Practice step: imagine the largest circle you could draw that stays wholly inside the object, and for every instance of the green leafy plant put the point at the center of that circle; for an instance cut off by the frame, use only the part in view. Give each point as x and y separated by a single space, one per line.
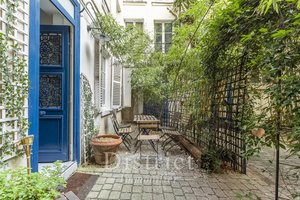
133 49
88 110
130 45
213 160
16 184
225 155
210 161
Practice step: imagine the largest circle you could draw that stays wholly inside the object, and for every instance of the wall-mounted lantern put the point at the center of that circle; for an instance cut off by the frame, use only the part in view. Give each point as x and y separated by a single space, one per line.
98 34
27 142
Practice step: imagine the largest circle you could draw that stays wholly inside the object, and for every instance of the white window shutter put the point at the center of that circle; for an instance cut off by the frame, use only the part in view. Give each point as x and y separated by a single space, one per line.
117 86
97 77
97 94
127 88
103 81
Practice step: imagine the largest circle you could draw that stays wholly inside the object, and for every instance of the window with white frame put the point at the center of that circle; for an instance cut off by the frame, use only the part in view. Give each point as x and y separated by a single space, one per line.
104 81
162 36
97 69
116 85
135 1
135 22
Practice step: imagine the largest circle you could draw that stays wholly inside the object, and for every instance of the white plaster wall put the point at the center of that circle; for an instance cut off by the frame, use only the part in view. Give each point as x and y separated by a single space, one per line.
87 54
118 15
149 12
127 87
68 6
45 18
87 60
105 122
87 51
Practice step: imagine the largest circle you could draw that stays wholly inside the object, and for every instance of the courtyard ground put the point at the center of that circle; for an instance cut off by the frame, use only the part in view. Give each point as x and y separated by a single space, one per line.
175 176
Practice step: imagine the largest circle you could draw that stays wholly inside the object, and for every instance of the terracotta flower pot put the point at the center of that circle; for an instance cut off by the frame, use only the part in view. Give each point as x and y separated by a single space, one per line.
105 148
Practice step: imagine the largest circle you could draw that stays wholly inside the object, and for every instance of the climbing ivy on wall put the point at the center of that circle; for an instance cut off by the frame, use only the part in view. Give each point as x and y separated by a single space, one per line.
87 124
14 85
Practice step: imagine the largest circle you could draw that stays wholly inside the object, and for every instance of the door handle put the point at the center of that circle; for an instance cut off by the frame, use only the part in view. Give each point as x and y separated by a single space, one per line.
42 113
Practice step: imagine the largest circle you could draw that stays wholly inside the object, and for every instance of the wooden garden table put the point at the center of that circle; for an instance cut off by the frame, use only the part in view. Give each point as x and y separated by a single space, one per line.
146 123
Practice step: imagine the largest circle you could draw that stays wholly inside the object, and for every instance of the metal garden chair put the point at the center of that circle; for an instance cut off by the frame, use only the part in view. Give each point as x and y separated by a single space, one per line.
172 128
124 133
121 125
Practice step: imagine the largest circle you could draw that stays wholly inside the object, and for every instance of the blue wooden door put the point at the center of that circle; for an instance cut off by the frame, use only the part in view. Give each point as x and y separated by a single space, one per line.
54 94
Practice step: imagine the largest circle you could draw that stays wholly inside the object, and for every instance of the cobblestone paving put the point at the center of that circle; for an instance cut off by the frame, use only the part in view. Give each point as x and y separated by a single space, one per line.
176 177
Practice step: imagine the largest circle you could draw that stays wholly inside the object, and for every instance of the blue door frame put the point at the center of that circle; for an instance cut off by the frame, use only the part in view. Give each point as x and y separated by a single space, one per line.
34 72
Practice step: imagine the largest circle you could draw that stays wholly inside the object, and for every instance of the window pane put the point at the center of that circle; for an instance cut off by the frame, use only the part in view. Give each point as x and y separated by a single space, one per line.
103 79
168 27
103 64
168 37
51 49
139 25
102 96
158 46
158 27
128 24
167 47
51 91
158 38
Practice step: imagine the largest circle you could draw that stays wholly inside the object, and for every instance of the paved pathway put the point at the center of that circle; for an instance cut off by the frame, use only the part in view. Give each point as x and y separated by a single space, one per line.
146 185
264 166
177 177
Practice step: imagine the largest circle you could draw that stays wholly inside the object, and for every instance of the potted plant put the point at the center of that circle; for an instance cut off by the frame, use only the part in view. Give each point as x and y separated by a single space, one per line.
105 148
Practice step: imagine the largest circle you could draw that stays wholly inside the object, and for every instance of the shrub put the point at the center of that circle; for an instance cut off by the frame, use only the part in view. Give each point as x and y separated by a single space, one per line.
225 155
210 161
16 184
